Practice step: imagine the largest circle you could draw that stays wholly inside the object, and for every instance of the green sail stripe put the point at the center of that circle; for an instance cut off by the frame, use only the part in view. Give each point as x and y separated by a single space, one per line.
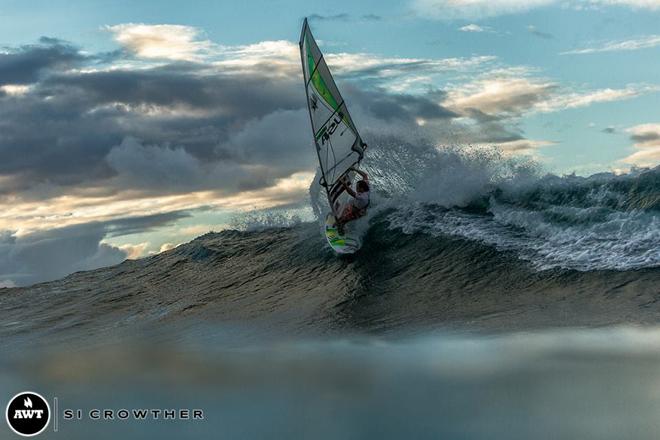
319 82
322 88
320 133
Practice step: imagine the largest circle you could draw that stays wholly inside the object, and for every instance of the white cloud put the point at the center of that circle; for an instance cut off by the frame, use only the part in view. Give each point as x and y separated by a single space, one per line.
477 9
647 141
346 63
281 57
636 4
616 46
472 28
508 93
584 99
166 247
161 41
15 89
401 75
523 146
501 96
134 251
474 9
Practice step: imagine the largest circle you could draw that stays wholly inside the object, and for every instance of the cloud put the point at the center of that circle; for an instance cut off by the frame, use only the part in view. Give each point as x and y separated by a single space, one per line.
536 32
269 142
401 74
104 142
499 96
371 17
524 146
67 124
49 255
53 253
472 28
570 100
400 108
253 158
647 141
335 17
635 4
479 9
24 65
344 17
513 93
134 251
167 246
14 89
140 166
189 116
646 42
473 9
161 41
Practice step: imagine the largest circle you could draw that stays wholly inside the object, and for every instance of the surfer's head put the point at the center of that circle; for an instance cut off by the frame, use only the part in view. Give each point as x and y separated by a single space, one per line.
362 186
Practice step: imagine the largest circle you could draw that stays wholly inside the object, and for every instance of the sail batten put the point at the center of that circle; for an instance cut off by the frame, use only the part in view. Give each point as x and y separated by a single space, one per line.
338 143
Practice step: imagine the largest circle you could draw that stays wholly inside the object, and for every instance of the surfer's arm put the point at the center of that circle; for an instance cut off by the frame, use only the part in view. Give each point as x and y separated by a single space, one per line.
348 188
361 173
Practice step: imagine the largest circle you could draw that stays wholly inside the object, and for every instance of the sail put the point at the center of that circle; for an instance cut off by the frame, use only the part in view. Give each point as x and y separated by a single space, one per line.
338 143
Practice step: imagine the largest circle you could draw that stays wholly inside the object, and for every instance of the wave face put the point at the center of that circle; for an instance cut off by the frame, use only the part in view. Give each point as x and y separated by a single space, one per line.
286 281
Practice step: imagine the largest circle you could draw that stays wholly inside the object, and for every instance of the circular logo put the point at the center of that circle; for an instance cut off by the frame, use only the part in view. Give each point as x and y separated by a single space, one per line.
28 414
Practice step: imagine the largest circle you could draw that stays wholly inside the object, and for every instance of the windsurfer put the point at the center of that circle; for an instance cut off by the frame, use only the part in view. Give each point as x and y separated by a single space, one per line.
357 206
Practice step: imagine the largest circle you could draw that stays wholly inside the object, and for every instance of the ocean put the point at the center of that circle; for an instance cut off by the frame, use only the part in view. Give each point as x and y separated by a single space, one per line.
489 300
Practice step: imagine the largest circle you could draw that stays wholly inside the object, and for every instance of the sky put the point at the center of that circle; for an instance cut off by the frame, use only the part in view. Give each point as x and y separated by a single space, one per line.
127 128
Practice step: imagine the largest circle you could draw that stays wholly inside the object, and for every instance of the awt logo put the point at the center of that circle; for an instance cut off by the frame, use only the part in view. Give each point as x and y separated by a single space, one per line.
28 414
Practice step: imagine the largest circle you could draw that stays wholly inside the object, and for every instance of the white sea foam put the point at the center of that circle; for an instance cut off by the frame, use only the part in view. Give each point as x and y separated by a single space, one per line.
553 222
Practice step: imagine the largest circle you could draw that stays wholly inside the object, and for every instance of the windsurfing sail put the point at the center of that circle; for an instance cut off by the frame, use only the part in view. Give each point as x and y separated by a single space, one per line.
338 143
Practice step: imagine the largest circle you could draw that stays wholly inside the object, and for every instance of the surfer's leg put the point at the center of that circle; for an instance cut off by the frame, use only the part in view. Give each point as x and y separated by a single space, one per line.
346 217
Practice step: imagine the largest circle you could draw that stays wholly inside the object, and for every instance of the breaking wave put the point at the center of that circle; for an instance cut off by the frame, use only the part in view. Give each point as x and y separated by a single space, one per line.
605 221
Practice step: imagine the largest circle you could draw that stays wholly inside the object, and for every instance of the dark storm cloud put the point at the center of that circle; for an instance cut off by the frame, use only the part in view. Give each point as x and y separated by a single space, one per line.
400 107
645 137
24 65
62 131
134 225
115 127
374 73
177 127
496 133
247 95
482 117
